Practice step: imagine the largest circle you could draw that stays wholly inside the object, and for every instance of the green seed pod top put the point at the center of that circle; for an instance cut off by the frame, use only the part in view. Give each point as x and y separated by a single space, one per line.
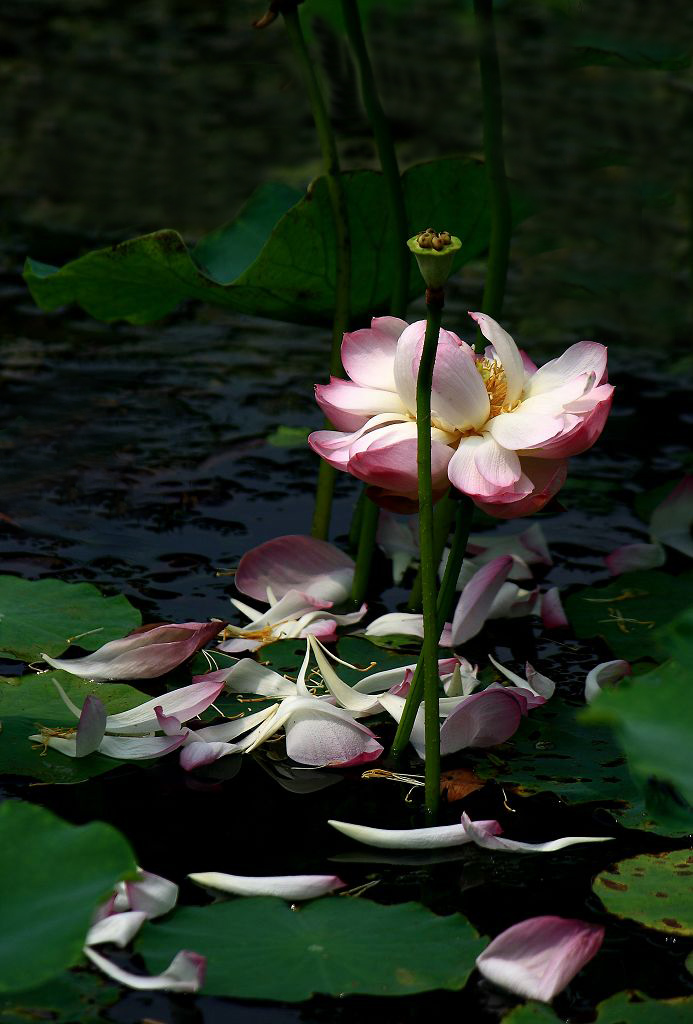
434 251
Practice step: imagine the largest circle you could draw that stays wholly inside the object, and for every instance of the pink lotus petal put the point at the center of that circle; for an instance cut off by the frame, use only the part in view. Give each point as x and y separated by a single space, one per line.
507 352
185 973
185 703
553 615
482 720
631 557
535 684
321 735
286 887
120 929
295 562
671 521
608 673
581 435
512 602
532 700
200 753
389 462
437 837
368 355
464 473
91 727
538 957
169 724
348 406
477 598
142 655
547 476
491 842
585 357
124 748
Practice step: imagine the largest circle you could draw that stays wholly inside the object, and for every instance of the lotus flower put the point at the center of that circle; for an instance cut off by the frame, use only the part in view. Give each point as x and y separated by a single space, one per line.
538 957
301 578
502 430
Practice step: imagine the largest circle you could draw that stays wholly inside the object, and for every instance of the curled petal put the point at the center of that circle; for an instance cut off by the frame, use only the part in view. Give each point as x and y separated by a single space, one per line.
477 598
319 734
491 842
295 562
183 704
120 929
185 973
347 405
286 887
144 655
247 676
538 957
585 357
437 837
150 894
608 673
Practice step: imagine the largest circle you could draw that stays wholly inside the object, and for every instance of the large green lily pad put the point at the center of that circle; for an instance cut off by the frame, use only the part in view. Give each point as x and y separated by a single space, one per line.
655 889
72 996
623 1008
629 612
46 616
653 719
292 275
260 948
52 878
33 701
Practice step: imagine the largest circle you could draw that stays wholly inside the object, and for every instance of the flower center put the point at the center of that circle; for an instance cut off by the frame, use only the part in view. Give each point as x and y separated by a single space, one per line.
493 376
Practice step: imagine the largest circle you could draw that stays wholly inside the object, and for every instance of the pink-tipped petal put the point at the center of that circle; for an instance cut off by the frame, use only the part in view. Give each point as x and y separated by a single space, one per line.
545 476
142 655
321 735
348 406
368 355
184 703
464 473
295 562
538 957
185 973
583 357
199 753
490 842
632 557
477 598
507 352
285 887
671 521
169 724
91 727
608 673
435 838
553 615
482 720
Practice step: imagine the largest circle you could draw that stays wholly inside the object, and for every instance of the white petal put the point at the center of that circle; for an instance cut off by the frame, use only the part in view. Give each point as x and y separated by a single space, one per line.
184 974
286 887
490 842
410 838
117 928
608 673
507 352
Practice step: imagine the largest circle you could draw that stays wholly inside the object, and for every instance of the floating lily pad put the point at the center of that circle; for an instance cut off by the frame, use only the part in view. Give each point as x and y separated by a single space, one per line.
655 889
52 878
46 616
73 996
33 701
290 277
623 1008
653 719
629 611
260 948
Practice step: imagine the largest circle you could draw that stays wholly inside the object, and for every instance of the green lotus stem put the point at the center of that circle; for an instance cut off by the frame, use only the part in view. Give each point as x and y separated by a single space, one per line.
340 216
499 195
446 598
386 153
443 515
364 554
429 650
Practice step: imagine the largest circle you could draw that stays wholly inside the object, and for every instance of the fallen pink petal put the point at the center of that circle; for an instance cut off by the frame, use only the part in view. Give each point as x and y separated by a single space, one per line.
538 957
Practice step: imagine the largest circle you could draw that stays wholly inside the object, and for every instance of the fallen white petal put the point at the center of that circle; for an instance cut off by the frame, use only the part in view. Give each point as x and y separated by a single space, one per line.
411 838
608 673
117 928
493 842
286 887
185 973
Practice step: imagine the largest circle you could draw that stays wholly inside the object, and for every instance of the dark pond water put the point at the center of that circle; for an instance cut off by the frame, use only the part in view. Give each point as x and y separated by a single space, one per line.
138 458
